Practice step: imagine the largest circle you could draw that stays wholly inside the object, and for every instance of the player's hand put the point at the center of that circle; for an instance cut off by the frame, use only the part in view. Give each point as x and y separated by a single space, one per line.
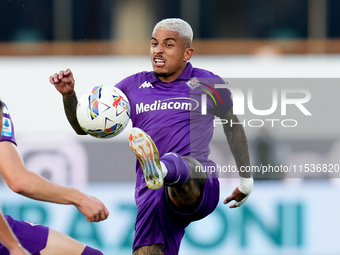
63 82
238 196
241 193
93 209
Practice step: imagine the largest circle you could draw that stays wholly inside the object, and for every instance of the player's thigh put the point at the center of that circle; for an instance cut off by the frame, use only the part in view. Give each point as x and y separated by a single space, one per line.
61 244
155 249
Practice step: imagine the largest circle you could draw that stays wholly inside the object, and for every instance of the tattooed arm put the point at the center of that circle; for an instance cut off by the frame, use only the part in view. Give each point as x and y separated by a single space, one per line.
64 83
237 141
238 144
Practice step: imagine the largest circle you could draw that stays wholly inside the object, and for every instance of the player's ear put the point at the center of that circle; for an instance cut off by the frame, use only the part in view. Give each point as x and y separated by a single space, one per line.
188 54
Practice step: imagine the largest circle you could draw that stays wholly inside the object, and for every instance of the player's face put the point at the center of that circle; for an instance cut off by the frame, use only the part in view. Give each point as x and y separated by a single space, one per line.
169 53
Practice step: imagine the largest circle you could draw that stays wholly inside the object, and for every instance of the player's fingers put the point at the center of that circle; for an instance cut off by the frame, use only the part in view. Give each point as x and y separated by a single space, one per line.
67 71
55 77
90 219
104 212
51 79
102 216
107 213
98 217
233 206
61 74
228 199
66 79
95 218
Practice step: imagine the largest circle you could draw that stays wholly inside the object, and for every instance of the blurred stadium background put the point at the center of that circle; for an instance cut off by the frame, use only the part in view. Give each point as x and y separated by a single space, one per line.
283 44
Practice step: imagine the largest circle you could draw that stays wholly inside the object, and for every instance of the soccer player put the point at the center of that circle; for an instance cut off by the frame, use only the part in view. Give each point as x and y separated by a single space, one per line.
38 239
170 138
7 237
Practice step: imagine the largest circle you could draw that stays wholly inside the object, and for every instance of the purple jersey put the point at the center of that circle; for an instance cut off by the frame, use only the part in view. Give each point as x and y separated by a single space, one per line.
171 113
32 237
7 126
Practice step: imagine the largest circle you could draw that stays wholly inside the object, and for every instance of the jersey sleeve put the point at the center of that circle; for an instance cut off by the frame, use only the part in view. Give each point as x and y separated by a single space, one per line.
7 126
125 84
122 85
225 104
221 96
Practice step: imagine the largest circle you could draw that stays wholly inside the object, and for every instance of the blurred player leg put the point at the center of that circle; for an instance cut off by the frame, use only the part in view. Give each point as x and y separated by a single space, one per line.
60 244
187 196
185 183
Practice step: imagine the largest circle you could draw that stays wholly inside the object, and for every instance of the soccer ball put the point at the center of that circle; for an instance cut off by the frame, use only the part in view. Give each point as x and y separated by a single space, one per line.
103 111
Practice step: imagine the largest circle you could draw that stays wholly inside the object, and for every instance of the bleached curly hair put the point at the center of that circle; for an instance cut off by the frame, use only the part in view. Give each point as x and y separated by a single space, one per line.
178 25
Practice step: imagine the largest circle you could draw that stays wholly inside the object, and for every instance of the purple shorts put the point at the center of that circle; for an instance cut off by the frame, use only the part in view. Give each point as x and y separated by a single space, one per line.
32 237
159 223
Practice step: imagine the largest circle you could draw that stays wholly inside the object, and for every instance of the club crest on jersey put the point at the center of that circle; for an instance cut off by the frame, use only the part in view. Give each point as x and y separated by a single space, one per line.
193 83
145 85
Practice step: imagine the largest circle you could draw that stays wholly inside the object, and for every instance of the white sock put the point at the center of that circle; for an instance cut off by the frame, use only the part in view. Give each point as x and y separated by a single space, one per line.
164 169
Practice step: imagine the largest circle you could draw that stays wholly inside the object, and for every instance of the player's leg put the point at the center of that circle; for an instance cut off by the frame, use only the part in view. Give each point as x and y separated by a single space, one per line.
59 244
39 238
181 174
155 249
187 197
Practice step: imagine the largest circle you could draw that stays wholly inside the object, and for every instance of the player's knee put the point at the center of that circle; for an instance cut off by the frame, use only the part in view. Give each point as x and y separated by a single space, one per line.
90 251
196 168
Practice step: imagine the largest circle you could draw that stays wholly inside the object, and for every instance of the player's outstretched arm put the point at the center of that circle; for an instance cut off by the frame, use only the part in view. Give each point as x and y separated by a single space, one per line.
64 82
238 144
32 185
9 240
